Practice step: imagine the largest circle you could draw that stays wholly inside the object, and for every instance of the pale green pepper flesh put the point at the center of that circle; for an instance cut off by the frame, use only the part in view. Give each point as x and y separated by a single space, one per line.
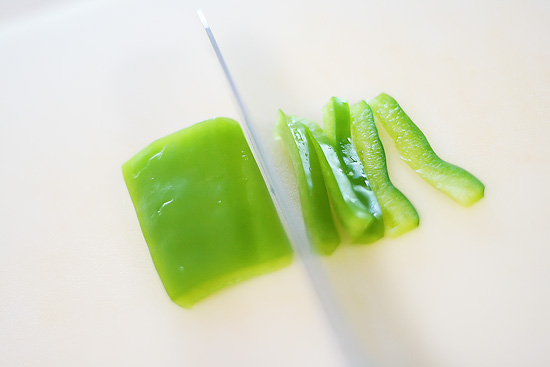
399 214
355 217
415 150
336 122
205 211
314 199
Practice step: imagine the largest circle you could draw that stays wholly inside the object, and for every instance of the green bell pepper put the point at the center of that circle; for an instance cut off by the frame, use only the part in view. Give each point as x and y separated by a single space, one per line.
205 211
399 214
336 122
354 216
415 150
311 185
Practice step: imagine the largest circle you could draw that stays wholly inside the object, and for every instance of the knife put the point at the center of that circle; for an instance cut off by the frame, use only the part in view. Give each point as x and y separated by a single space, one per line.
347 339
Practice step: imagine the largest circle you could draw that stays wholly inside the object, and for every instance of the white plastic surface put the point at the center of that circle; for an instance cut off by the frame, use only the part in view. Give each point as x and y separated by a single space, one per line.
83 89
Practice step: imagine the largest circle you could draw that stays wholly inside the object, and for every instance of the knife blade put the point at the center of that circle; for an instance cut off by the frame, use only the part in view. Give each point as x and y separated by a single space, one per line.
347 339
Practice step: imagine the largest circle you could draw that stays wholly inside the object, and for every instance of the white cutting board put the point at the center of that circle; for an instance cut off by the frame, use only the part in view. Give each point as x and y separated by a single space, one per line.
85 86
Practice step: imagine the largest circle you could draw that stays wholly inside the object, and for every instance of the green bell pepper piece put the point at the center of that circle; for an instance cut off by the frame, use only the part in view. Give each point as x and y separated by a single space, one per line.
311 185
354 216
205 211
399 214
415 150
336 122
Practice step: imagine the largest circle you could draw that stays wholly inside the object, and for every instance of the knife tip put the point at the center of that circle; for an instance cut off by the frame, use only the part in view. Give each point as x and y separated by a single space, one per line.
202 17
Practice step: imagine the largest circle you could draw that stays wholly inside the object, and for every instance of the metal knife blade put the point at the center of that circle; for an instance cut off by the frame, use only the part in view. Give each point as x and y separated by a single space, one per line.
298 237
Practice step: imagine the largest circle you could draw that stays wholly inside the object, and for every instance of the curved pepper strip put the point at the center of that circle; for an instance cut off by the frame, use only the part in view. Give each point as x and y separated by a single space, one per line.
415 150
311 185
205 211
399 214
354 216
336 121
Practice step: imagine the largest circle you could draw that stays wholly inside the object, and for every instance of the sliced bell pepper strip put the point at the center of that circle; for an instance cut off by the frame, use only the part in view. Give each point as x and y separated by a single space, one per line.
311 185
336 122
205 211
415 150
399 214
354 216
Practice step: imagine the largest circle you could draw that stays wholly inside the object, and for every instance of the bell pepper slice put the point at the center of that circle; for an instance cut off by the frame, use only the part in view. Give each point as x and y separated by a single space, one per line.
399 214
336 123
205 211
354 216
415 150
314 199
